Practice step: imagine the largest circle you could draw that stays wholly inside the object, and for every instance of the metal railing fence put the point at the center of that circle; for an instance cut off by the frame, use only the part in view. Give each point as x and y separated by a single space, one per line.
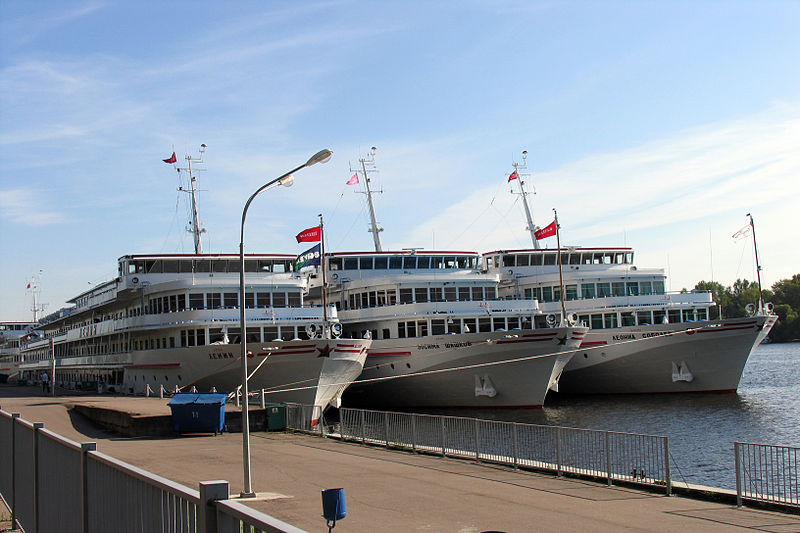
51 483
613 456
767 473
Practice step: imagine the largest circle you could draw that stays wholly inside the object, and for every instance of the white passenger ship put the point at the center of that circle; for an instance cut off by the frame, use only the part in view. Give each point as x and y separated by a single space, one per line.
11 336
441 337
172 320
642 338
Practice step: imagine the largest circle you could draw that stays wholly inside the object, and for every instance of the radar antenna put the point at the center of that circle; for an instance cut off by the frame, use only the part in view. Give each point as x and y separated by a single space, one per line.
367 167
194 227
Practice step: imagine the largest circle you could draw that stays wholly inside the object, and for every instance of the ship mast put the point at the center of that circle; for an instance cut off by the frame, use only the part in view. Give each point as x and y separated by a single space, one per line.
758 267
524 166
194 225
34 288
367 166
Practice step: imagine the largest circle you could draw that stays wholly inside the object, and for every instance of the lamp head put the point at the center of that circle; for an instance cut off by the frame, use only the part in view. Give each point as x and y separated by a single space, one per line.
287 181
323 156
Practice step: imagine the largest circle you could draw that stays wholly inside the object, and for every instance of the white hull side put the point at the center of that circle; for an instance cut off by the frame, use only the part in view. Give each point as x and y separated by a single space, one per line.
643 359
416 372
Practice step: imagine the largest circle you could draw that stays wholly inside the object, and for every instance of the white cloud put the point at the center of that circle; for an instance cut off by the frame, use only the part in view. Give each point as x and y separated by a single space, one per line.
24 206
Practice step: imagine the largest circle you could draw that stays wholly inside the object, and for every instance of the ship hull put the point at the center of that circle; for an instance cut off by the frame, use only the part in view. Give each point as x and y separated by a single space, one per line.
482 370
667 358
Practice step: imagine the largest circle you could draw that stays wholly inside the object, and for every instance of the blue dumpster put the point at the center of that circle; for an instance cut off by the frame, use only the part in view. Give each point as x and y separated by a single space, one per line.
198 412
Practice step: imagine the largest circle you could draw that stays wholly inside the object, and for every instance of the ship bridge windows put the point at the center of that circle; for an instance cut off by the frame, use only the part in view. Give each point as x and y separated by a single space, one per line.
231 300
633 288
658 287
421 294
645 287
701 313
658 316
603 290
395 262
549 259
365 263
335 263
574 259
588 290
202 265
409 262
424 262
405 296
618 288
381 263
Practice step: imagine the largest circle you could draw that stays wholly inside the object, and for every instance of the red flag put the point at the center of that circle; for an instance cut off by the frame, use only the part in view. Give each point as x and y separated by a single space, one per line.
29 286
353 180
547 231
171 159
309 235
513 176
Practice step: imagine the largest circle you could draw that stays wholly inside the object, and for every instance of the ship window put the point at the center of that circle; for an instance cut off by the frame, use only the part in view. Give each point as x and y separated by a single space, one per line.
490 293
170 266
658 287
587 290
279 299
409 262
202 265
644 318
646 287
215 335
513 322
572 292
253 334
658 316
536 260
365 263
411 329
350 263
603 290
557 294
498 324
450 294
610 320
584 320
288 333
437 262
523 260
264 265
449 262
688 315
421 294
201 337
423 262
549 259
477 293
547 294
153 267
395 262
231 300
437 327
463 294
293 299
219 265
597 321
262 299
381 263
484 325
633 289
674 316
406 296
618 288
574 259
335 263
436 294
702 314
401 330
271 333
250 265
463 262
629 258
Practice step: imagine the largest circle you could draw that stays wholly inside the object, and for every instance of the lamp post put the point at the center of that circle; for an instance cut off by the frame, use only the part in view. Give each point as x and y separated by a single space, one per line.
286 180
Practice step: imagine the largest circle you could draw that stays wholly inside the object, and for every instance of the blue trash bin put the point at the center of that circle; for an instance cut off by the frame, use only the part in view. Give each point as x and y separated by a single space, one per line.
198 412
333 505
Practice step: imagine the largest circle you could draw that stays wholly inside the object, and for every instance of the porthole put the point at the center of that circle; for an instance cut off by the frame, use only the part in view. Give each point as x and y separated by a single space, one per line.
586 356
392 365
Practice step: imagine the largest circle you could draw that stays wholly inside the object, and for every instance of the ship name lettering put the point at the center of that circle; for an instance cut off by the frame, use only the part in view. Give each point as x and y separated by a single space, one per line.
625 337
653 334
457 344
427 347
221 355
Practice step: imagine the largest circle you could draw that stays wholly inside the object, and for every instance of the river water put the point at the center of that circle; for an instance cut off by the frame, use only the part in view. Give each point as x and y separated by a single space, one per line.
701 427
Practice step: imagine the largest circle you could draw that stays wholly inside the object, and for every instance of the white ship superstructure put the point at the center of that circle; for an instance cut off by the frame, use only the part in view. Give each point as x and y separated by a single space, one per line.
173 320
12 334
441 336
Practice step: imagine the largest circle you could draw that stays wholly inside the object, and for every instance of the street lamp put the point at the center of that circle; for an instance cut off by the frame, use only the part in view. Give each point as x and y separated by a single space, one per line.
286 180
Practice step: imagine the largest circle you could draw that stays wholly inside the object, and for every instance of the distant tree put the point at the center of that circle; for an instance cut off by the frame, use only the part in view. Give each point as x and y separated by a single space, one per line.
787 291
719 293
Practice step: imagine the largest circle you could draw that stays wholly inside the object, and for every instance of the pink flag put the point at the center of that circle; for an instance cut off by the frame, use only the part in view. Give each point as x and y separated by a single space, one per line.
513 176
545 232
171 159
353 180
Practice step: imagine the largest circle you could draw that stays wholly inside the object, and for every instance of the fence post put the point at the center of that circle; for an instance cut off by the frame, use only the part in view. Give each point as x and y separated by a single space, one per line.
210 492
516 447
263 399
36 427
414 432
666 466
444 454
477 441
558 451
14 524
363 435
608 457
737 458
86 447
386 427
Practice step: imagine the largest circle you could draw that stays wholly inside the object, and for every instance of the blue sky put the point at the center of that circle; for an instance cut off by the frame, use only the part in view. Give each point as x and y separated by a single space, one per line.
656 125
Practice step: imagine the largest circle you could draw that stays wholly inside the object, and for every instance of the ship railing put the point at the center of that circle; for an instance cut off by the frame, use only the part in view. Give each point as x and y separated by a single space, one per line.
51 483
608 455
767 473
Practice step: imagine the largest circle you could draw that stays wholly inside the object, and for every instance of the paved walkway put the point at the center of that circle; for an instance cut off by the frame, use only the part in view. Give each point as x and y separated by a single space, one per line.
391 490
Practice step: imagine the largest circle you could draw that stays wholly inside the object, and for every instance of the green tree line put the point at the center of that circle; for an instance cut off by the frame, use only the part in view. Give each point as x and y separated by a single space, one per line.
784 296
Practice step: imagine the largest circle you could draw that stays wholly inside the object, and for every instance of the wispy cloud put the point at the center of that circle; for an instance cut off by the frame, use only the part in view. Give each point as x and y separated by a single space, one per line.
37 23
27 207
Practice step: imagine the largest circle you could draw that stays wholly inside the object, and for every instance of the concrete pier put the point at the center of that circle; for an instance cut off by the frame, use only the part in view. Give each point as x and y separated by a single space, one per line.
386 490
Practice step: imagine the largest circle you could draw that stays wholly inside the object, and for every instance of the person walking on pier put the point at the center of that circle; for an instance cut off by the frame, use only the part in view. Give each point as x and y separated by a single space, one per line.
45 383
